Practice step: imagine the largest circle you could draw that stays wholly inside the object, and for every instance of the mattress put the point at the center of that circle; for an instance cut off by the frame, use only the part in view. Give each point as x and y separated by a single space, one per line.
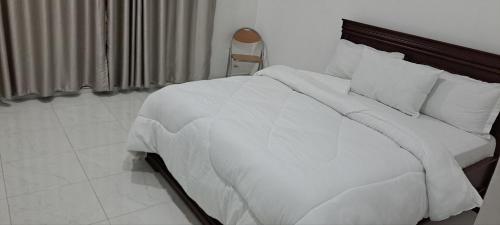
468 155
467 148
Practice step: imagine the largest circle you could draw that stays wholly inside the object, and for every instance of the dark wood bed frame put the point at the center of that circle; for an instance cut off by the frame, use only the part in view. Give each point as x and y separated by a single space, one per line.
456 59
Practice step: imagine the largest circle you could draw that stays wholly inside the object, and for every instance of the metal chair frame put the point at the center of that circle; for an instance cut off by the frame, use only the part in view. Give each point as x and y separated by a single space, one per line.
230 55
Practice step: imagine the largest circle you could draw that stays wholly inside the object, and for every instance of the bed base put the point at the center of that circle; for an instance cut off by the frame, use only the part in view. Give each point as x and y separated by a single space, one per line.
157 163
480 174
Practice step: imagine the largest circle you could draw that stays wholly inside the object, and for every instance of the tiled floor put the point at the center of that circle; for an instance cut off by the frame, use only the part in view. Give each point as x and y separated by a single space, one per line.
63 161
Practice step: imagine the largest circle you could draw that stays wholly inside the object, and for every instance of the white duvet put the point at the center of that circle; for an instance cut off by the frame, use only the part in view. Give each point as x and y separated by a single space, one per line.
291 147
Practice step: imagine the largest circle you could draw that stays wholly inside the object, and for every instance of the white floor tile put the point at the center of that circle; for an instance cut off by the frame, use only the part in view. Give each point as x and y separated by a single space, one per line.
14 146
122 96
126 124
31 175
109 160
82 99
28 120
98 134
71 204
13 143
127 192
31 144
104 222
4 212
165 213
3 194
142 95
124 110
83 114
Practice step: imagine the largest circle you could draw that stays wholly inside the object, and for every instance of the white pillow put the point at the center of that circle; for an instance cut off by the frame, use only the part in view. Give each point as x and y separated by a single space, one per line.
347 57
468 104
397 83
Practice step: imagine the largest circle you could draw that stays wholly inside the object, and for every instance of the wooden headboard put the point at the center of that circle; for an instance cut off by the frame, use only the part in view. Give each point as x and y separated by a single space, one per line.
453 58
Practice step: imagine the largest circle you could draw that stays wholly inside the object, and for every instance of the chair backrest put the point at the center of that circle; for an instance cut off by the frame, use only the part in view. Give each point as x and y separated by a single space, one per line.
247 36
247 42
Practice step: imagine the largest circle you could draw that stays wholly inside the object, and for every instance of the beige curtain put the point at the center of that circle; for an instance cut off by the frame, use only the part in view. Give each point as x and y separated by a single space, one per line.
52 45
154 42
61 45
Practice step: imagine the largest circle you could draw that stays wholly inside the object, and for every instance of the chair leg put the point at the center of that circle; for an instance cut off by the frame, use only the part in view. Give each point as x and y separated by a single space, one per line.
229 68
229 64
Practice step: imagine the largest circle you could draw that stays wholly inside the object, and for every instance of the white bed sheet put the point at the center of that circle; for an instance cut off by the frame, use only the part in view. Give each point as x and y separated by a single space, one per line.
467 148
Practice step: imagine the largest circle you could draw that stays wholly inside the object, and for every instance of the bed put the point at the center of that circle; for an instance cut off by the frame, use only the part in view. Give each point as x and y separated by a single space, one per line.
258 150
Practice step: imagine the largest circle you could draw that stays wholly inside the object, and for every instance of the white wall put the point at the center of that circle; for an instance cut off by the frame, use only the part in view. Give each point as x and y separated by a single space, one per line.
229 16
303 33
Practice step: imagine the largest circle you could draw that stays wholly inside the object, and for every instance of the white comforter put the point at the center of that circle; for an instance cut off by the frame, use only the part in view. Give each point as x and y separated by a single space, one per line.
290 147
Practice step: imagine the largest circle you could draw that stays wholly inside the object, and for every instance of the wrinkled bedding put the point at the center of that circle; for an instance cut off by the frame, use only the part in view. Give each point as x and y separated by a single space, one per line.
289 147
467 148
